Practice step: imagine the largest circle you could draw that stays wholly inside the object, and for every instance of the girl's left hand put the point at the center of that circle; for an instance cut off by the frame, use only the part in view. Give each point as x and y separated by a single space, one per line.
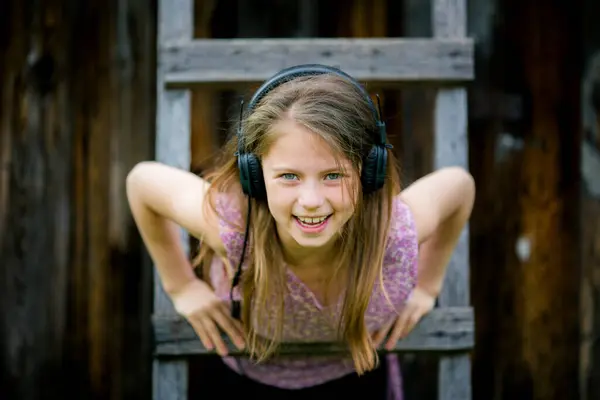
419 304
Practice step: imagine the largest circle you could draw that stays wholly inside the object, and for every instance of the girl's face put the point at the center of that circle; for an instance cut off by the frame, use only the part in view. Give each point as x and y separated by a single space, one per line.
309 191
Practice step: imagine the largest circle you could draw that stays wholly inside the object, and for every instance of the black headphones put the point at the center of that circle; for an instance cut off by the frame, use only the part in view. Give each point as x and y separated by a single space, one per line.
374 164
251 175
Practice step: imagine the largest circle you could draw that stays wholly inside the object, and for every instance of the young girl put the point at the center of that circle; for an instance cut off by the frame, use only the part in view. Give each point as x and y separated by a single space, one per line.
303 223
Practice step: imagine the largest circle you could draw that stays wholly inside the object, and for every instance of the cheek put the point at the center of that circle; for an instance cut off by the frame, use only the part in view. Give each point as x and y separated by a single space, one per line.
279 201
342 201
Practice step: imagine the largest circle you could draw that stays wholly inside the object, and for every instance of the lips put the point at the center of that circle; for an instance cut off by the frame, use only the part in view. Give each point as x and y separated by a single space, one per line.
312 222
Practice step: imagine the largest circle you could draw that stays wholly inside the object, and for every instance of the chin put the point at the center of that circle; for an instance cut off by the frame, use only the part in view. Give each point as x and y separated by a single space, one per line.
314 242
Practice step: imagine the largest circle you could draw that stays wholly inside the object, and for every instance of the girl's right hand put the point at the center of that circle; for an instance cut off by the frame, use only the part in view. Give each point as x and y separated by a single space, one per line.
208 315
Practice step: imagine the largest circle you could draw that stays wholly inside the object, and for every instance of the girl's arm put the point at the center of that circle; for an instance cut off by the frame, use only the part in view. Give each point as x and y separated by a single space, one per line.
441 203
162 199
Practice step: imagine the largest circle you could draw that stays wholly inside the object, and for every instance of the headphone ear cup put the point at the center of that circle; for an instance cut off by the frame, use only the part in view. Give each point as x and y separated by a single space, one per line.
255 177
374 169
369 171
381 174
243 168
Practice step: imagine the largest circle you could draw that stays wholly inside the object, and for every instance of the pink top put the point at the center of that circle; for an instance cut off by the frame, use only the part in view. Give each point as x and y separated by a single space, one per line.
308 321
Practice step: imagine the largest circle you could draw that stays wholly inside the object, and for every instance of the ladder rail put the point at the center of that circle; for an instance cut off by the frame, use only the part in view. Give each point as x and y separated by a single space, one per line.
170 377
449 20
446 330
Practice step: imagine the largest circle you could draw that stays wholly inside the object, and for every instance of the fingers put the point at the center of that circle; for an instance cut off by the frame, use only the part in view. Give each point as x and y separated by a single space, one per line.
410 324
405 323
209 316
209 325
215 336
202 334
231 327
397 329
380 335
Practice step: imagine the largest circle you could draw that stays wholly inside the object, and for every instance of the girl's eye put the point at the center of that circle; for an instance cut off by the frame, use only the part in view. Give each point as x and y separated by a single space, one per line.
333 176
289 177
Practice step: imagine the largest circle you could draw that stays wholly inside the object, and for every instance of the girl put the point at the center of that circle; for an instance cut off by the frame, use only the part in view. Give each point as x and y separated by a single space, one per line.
303 227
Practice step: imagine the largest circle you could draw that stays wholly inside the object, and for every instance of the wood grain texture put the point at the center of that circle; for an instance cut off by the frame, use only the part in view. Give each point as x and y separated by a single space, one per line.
449 20
204 101
547 283
525 228
590 298
173 143
589 363
77 112
367 59
420 373
445 330
36 203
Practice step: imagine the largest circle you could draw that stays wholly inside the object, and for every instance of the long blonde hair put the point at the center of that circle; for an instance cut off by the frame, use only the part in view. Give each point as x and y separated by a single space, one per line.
334 109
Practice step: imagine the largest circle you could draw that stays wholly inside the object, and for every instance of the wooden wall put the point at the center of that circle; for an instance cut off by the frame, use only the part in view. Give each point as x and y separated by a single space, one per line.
76 112
590 206
525 153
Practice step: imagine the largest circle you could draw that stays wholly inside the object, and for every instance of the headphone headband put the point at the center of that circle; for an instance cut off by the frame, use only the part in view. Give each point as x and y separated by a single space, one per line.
297 71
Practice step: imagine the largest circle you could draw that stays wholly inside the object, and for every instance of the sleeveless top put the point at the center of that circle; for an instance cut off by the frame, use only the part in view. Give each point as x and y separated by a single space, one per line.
306 320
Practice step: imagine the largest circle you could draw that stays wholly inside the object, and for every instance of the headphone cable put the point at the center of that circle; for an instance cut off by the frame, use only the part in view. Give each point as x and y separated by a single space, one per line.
236 306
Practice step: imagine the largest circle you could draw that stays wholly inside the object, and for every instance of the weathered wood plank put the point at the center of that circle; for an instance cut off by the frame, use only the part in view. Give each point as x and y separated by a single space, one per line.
237 61
35 242
494 165
547 276
170 377
129 272
589 365
420 374
589 360
443 330
204 102
449 20
451 149
527 347
526 297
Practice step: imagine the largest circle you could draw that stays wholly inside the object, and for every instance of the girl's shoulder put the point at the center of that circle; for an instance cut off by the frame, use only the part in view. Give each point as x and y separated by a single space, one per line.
402 224
230 210
402 248
230 213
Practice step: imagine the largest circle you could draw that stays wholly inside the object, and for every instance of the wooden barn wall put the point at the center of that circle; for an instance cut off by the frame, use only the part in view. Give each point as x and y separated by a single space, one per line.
590 206
525 152
76 112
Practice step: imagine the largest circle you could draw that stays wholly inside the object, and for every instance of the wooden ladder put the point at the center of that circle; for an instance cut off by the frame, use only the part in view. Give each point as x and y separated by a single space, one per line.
445 60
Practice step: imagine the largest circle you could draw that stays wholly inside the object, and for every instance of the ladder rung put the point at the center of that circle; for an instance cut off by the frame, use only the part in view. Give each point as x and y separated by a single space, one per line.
444 330
229 61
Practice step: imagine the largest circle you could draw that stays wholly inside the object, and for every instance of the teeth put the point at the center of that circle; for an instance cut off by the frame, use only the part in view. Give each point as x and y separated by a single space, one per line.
312 221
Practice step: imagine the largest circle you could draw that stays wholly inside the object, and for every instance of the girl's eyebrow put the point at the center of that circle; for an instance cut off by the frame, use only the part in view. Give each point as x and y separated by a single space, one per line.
283 168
